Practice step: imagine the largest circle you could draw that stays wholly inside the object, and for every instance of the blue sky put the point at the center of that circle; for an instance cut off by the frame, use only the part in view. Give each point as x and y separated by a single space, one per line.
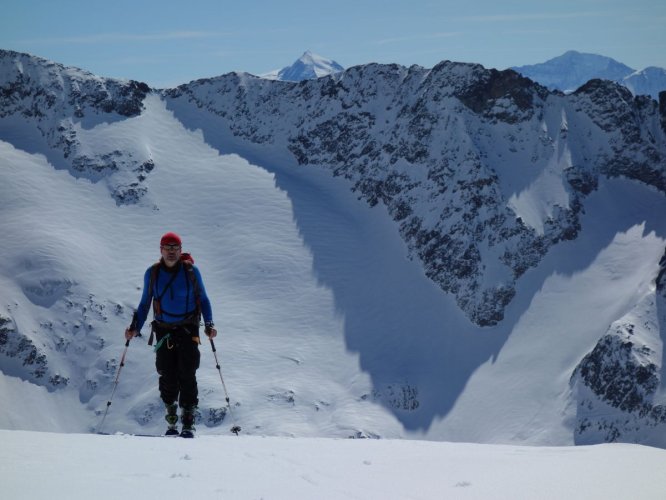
166 43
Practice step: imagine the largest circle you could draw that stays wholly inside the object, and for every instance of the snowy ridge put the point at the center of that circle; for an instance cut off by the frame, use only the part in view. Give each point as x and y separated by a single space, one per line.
302 203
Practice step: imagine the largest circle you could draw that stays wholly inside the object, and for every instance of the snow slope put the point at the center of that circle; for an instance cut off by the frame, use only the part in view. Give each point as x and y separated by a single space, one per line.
273 312
123 466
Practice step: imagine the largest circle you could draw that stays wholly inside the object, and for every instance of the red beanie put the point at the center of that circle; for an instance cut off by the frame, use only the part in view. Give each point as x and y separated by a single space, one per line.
170 239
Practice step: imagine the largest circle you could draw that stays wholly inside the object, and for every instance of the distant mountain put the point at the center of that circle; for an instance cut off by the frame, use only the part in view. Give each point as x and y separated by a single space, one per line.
572 69
308 67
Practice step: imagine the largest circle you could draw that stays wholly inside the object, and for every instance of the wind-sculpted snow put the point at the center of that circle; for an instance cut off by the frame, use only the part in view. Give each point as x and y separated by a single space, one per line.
439 147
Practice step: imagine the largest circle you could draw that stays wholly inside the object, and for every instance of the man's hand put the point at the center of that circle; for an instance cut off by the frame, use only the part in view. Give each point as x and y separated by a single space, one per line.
129 333
210 330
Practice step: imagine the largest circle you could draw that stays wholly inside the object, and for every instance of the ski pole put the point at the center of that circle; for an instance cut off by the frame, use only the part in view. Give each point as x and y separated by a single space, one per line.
236 428
120 367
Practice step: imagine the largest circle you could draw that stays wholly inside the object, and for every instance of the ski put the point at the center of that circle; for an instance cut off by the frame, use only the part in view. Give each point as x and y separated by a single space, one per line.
130 434
185 433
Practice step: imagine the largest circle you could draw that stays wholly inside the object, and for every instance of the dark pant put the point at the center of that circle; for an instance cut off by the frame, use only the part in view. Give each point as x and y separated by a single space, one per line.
177 361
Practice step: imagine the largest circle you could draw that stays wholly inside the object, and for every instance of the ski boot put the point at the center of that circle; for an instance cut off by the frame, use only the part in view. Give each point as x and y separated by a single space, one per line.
187 417
172 419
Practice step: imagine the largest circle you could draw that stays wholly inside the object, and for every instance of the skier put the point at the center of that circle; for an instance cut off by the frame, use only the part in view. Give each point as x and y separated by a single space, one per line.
179 299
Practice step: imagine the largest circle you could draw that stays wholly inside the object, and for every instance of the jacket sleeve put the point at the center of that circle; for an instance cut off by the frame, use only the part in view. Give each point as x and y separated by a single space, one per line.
145 303
206 309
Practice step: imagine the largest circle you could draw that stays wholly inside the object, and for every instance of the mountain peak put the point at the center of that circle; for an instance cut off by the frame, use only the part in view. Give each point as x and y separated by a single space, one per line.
572 69
309 66
308 56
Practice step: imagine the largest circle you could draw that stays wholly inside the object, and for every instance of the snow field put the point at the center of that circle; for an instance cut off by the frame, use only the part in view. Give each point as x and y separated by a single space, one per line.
211 467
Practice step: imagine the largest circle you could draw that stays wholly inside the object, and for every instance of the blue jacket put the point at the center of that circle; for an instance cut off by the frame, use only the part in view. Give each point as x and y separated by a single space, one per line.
175 291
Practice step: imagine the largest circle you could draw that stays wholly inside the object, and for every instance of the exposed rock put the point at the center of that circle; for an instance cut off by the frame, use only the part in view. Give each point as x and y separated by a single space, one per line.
21 352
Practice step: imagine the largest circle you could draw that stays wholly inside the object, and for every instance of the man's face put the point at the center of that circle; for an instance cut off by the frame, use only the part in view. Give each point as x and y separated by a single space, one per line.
171 254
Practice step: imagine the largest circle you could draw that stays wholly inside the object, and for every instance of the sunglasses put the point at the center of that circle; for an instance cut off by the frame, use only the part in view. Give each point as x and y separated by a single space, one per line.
171 248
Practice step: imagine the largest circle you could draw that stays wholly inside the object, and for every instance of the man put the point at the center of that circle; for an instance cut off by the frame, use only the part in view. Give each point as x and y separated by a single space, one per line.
179 300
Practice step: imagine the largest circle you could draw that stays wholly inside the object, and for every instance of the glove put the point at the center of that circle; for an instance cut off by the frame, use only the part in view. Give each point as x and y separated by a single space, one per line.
129 333
210 330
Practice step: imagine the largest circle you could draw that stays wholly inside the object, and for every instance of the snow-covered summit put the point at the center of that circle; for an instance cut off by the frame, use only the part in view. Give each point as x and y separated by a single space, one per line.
307 67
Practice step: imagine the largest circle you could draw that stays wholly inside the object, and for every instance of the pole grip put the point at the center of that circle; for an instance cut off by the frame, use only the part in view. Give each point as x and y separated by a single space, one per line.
212 344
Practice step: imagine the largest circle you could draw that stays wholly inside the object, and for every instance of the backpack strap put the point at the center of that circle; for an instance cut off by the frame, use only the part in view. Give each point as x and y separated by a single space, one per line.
189 269
154 270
